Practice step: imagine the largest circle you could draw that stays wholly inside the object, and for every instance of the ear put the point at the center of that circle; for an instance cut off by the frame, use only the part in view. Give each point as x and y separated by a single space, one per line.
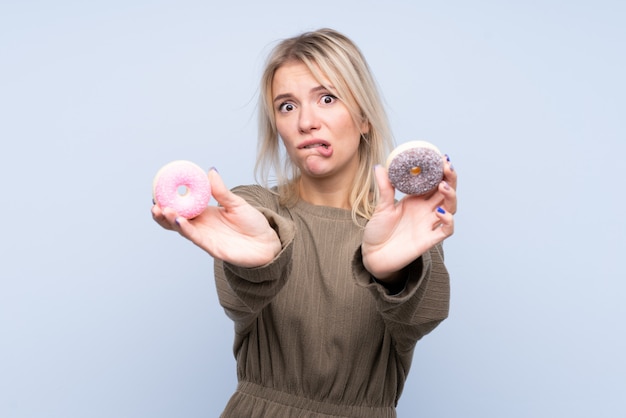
365 126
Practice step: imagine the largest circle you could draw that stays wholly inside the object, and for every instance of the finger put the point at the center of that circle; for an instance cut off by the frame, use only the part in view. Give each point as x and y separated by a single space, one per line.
449 173
434 197
385 188
188 230
446 222
220 192
157 215
170 217
180 224
449 197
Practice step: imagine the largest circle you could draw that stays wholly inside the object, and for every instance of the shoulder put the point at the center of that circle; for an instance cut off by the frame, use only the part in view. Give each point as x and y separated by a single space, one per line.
258 196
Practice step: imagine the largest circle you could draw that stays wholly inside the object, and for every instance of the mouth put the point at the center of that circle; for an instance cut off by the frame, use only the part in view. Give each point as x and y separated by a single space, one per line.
310 146
314 143
323 147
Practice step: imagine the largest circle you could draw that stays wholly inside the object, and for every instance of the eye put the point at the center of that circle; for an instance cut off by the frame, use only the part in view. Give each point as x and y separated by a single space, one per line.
286 107
328 99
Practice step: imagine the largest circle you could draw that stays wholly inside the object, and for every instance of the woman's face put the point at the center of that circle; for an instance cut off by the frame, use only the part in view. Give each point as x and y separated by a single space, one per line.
317 129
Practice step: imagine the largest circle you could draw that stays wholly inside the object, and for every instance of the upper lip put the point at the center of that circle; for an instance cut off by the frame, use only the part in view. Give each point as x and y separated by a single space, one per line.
315 141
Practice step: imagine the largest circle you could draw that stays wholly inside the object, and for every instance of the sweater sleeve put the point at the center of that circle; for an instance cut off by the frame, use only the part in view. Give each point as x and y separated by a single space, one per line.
244 292
420 307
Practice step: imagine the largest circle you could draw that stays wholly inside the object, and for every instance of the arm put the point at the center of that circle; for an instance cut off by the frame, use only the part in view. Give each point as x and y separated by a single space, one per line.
420 307
234 231
401 258
400 233
243 292
250 243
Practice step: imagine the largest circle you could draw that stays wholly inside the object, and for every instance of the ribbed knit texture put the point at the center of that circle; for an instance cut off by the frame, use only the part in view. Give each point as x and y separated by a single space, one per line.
314 335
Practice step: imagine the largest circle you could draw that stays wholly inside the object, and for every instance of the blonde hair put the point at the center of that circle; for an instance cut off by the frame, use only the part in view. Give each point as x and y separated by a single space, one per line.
342 63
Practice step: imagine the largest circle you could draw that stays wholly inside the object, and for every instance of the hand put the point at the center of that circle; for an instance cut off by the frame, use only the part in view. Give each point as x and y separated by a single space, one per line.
398 233
234 232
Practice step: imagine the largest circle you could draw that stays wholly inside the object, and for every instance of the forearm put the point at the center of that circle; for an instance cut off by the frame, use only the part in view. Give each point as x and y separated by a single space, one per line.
420 306
244 291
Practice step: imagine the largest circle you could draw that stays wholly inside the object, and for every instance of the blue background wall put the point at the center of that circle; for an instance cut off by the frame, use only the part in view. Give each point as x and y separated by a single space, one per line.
104 314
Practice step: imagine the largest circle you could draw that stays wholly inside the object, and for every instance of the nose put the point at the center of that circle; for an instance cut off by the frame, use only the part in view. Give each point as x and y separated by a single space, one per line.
308 119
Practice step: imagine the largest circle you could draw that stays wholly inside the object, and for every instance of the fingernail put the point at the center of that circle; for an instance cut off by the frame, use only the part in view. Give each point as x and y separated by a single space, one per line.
177 221
446 185
451 167
214 169
153 202
447 158
440 210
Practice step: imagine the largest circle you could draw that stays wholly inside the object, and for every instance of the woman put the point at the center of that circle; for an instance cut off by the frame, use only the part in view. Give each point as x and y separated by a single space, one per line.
329 281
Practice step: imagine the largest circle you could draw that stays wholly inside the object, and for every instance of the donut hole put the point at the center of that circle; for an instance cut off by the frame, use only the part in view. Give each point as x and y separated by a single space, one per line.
182 190
416 170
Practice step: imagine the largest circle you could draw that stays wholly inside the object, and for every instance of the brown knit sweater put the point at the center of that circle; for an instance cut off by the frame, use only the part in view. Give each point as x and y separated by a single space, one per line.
315 336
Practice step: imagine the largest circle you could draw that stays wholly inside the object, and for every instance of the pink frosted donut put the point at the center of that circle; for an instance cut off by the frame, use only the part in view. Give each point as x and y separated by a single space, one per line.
182 186
415 167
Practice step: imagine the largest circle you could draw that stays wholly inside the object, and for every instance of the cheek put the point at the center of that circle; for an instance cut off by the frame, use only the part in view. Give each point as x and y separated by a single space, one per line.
283 128
346 124
351 131
289 150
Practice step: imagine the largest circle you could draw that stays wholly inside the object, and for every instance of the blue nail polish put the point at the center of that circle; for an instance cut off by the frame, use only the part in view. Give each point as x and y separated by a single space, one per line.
177 221
447 158
214 169
440 210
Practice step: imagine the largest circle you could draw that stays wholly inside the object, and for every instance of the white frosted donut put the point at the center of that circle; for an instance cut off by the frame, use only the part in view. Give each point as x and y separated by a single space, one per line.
183 186
415 167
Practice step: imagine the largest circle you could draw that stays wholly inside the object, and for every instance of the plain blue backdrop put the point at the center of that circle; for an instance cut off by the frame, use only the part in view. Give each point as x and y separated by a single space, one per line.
104 314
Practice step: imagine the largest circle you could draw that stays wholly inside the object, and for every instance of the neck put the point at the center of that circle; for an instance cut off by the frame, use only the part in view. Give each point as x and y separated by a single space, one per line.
330 192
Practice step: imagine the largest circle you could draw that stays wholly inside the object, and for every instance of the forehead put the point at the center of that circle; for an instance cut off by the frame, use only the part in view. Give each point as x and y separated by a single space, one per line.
296 75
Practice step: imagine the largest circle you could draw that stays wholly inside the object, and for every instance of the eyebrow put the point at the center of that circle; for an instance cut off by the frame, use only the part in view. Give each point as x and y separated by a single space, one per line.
313 90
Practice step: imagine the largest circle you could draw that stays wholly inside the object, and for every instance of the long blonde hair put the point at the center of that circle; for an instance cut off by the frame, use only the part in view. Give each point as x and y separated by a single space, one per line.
343 64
